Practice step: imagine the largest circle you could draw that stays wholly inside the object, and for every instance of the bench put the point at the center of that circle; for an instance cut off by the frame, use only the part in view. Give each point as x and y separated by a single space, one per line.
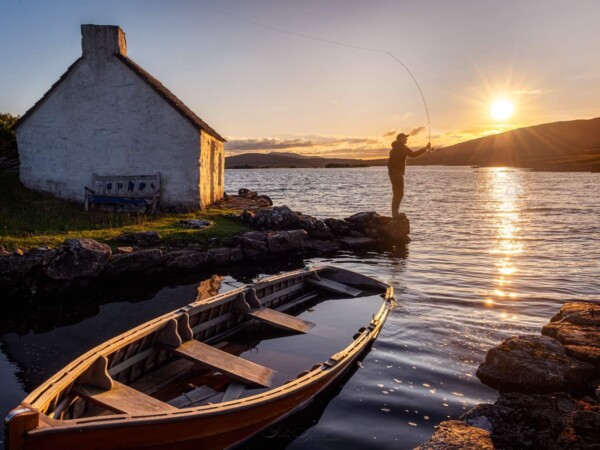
124 190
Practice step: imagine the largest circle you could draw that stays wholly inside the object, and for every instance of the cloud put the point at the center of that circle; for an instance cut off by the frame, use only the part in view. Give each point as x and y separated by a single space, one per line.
416 131
390 133
242 145
532 92
267 144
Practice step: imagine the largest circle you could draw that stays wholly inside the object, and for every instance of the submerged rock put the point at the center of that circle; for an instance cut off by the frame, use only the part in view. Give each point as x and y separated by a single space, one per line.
357 242
534 364
320 247
457 435
78 258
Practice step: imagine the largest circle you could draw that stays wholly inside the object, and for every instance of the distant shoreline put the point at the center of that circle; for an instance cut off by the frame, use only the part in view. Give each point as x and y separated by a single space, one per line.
355 166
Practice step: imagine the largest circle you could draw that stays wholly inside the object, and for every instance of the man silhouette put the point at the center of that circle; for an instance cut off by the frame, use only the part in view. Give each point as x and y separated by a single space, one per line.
397 167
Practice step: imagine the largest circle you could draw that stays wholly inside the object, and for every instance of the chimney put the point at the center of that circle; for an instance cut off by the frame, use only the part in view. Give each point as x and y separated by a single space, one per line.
102 41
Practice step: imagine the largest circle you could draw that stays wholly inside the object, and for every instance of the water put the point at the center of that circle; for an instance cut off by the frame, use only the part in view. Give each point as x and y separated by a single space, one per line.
494 253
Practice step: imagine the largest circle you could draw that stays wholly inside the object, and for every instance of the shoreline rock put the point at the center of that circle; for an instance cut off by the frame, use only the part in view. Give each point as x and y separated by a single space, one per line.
550 389
278 232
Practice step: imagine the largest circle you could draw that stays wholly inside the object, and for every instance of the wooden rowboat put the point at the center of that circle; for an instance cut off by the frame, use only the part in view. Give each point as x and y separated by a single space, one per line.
178 381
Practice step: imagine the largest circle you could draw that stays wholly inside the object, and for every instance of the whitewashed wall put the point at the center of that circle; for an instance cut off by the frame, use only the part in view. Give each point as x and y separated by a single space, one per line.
212 170
104 119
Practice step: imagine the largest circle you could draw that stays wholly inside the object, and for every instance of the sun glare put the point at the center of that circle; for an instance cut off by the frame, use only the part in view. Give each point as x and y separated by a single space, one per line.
502 109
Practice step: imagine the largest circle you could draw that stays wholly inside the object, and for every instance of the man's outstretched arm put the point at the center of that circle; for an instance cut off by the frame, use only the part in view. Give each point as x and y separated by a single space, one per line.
419 152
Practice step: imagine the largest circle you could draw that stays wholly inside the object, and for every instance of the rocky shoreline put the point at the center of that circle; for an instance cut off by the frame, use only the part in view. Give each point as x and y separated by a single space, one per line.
277 232
549 390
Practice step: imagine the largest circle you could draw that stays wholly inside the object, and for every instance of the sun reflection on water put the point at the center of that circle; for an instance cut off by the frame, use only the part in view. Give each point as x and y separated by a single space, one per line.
505 191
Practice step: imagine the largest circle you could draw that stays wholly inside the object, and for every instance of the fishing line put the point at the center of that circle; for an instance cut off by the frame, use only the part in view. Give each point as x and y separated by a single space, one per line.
332 42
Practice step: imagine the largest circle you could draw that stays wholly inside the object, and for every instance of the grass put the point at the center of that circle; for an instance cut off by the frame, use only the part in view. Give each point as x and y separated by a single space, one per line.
32 219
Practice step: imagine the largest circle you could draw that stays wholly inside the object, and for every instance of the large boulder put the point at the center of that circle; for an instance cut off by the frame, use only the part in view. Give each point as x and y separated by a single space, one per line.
549 421
457 435
285 241
534 364
306 222
396 230
14 269
576 324
140 261
78 258
338 227
188 260
577 327
254 244
276 218
362 218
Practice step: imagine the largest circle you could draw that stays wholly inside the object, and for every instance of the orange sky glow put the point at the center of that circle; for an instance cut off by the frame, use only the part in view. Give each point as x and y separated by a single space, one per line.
255 73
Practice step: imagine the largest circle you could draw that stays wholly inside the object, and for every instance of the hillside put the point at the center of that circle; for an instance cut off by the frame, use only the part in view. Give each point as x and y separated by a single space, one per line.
560 146
571 145
253 160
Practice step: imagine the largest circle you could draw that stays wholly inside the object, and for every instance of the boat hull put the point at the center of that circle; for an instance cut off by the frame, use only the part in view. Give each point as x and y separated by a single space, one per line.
212 426
220 429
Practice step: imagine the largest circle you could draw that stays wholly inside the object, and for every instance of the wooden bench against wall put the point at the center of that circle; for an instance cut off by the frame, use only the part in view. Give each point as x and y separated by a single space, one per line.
124 190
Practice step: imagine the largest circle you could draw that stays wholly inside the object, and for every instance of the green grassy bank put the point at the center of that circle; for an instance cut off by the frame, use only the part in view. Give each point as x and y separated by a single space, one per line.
32 219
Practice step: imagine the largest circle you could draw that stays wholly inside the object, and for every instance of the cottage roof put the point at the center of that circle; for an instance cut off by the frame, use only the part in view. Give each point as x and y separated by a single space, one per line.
156 85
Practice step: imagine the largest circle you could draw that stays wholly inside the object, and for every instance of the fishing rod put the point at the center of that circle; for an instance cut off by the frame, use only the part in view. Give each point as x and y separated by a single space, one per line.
332 42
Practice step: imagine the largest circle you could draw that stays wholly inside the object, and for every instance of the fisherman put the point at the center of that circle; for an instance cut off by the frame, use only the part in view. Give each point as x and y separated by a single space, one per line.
397 167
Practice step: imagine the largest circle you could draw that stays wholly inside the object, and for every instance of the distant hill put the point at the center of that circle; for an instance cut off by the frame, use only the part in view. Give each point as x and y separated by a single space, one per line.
559 146
570 145
255 160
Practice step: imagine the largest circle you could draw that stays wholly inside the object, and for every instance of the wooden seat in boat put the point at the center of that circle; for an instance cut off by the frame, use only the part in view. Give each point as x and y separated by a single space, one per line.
280 320
333 286
122 399
248 304
237 368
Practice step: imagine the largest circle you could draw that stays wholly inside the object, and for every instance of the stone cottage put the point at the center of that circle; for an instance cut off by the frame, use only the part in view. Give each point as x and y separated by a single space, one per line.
108 116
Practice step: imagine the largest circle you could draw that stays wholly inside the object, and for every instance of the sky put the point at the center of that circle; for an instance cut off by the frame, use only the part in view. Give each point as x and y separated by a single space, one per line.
251 70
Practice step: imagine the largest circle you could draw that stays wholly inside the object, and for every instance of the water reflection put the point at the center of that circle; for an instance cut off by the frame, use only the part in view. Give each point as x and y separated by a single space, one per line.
505 190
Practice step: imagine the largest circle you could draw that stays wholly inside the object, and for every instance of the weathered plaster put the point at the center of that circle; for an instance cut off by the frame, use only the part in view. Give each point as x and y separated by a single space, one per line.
105 119
212 169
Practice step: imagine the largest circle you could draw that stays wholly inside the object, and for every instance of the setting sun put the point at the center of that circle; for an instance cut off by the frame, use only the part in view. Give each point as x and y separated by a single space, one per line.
502 109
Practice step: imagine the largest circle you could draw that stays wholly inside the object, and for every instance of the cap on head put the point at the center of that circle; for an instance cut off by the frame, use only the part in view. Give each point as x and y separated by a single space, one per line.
402 135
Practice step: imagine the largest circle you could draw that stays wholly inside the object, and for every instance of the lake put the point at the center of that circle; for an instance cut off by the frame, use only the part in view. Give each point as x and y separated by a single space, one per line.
494 253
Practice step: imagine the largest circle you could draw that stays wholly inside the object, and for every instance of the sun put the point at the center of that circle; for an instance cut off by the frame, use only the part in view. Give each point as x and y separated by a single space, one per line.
502 109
